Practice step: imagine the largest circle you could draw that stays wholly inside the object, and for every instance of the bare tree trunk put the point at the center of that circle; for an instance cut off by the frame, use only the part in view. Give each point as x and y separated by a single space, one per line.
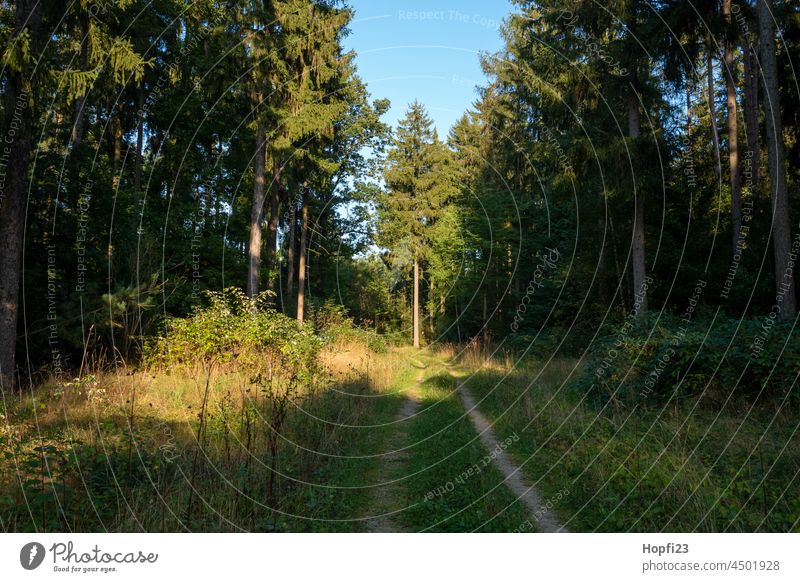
458 322
18 101
485 320
272 226
733 128
77 127
712 108
638 251
602 245
415 314
116 124
137 171
301 275
618 270
432 309
256 211
751 112
781 226
290 250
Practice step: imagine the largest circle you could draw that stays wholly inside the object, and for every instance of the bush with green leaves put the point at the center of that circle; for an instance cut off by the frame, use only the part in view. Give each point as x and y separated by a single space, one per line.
331 321
233 328
348 333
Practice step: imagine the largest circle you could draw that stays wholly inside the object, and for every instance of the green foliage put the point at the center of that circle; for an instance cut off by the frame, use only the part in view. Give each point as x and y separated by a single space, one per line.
234 329
663 359
17 53
419 182
330 320
416 220
346 333
187 82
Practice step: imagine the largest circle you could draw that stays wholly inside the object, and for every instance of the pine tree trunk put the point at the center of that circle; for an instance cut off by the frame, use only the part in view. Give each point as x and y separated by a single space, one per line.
272 225
638 254
290 250
781 227
301 275
618 270
712 109
256 211
116 124
485 320
415 314
602 245
431 309
137 171
733 128
751 99
458 322
18 100
77 127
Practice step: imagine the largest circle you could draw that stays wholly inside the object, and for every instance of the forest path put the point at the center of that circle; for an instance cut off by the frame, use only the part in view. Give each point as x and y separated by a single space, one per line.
545 520
386 500
389 501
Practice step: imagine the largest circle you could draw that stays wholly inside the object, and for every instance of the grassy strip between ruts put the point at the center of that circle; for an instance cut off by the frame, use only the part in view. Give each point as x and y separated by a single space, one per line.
344 484
450 486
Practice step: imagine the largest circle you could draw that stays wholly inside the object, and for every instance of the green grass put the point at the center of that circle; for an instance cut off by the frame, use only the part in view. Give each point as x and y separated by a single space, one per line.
445 447
120 453
689 467
343 490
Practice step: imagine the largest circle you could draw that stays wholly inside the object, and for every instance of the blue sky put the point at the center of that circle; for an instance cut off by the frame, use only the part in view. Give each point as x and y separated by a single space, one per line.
425 50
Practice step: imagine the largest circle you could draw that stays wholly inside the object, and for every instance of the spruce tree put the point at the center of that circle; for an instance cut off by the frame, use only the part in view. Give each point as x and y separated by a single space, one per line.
418 189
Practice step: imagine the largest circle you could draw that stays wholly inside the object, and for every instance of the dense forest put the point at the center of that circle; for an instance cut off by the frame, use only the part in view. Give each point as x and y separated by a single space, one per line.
210 186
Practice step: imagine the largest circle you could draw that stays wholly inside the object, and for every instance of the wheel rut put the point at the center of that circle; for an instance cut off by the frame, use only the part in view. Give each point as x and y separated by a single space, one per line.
386 500
544 518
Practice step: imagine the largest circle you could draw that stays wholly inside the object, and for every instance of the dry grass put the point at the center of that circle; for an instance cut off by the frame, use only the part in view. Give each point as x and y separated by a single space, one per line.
156 451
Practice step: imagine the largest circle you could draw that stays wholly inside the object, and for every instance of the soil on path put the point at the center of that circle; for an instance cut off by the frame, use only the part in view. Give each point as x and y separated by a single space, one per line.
385 502
544 518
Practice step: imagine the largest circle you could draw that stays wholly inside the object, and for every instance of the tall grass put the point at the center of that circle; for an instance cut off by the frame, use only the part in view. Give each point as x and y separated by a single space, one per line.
690 465
228 437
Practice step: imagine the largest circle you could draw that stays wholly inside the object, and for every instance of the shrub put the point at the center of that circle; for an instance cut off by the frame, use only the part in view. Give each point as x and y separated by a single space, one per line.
348 333
234 328
331 321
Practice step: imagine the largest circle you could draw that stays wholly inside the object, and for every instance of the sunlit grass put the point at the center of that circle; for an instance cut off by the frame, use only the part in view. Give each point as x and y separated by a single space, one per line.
121 451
